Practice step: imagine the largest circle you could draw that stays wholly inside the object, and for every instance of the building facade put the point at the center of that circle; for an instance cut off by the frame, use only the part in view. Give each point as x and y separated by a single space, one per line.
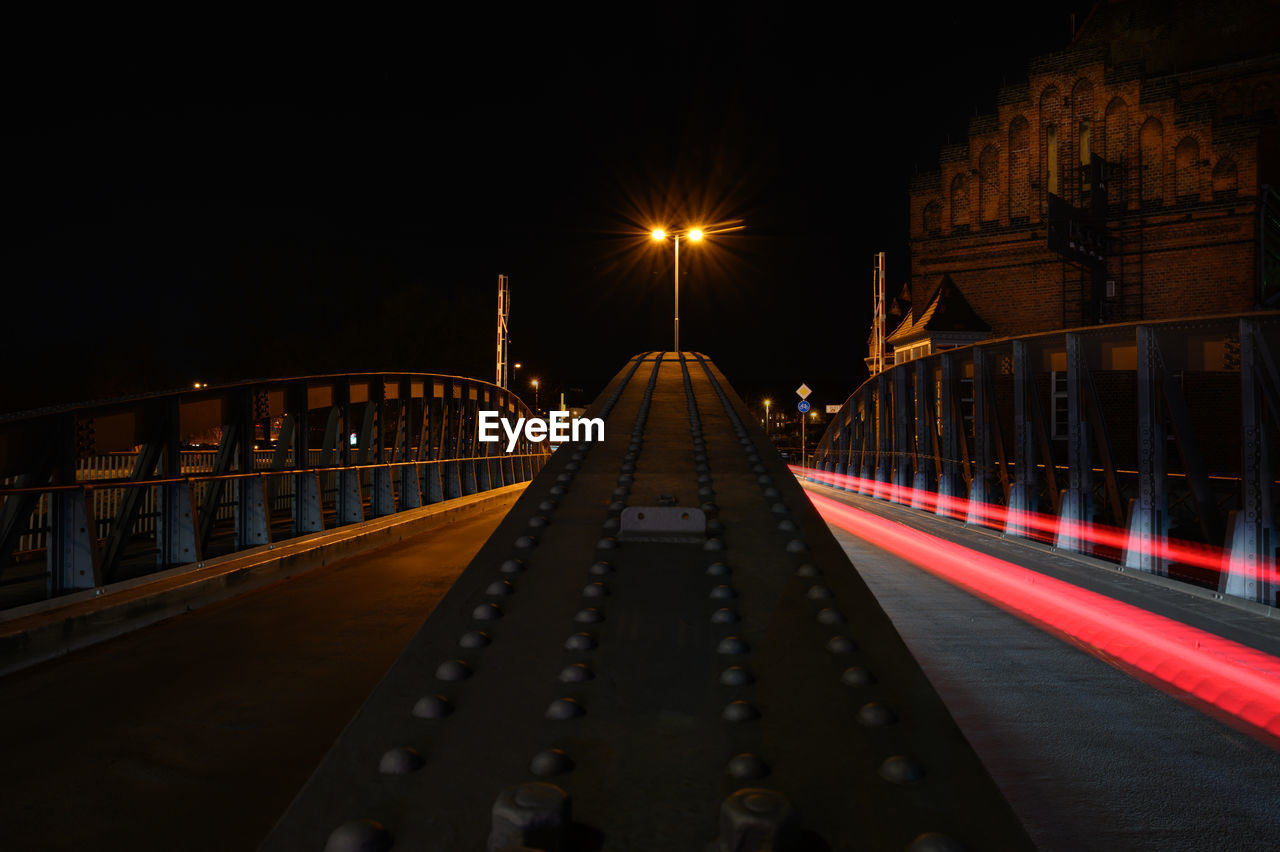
1156 132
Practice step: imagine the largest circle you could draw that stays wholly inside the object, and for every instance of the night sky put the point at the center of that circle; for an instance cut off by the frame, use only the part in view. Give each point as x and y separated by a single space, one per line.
236 198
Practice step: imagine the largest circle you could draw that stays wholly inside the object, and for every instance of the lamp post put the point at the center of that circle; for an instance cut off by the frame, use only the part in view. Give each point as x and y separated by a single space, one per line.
767 403
693 235
535 395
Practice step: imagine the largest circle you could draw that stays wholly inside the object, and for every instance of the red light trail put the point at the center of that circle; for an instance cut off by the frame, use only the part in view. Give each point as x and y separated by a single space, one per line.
1192 664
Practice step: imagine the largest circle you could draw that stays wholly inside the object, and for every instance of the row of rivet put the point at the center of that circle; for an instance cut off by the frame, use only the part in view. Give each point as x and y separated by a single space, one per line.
367 834
537 813
898 769
750 818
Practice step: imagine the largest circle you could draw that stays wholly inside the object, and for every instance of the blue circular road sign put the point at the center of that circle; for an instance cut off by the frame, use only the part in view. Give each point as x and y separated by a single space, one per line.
804 406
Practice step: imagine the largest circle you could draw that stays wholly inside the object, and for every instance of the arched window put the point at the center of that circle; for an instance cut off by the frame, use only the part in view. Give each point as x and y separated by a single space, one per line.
1152 161
1186 169
1115 134
959 203
1019 169
1052 176
989 184
932 219
1224 178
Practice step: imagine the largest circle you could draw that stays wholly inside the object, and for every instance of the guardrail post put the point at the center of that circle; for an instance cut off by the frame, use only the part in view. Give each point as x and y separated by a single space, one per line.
72 555
922 482
1076 514
466 439
1149 519
979 488
1251 568
350 499
253 525
949 484
866 461
479 450
883 459
176 539
901 437
1022 496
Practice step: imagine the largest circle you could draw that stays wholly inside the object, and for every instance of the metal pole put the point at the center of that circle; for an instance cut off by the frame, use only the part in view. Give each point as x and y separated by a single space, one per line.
677 326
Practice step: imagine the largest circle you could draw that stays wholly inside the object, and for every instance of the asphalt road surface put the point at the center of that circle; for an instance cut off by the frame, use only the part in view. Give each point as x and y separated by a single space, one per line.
195 733
1089 757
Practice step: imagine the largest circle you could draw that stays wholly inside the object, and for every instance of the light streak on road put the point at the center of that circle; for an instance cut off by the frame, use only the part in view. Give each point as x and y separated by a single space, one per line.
1207 671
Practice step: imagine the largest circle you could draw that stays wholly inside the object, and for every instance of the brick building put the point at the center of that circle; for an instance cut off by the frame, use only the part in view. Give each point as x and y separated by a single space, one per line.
1156 130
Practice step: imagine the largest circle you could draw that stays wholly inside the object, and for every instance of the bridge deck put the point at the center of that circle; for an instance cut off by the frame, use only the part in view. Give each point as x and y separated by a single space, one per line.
618 654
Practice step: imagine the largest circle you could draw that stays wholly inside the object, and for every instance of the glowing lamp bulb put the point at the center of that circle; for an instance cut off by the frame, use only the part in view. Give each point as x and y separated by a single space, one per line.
695 234
659 234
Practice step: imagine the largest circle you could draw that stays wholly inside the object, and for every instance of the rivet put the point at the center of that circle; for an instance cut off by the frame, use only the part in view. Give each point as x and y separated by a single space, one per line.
607 543
621 491
576 673
552 761
361 835
499 588
874 715
723 593
747 767
512 566
714 526
590 615
739 711
547 505
625 479
580 642
527 816
796 546
778 508
400 761
706 492
564 708
525 542
704 478
841 645
595 590
718 569
487 612
617 506
764 479
537 521
732 646
807 570
830 616
736 676
771 492
901 770
564 477
571 466
787 525
611 524
601 568
713 543
817 593
724 615
559 490
857 676
453 670
708 506
432 707
757 468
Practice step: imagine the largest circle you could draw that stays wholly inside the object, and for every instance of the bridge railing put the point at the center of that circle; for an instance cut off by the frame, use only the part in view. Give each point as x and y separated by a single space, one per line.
102 492
1150 444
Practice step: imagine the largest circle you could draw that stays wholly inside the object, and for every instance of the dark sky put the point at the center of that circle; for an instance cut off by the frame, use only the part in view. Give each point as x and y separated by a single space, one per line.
224 199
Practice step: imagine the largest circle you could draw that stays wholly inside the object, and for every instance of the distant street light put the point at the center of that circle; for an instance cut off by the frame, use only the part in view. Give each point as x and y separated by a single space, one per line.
767 403
535 395
693 235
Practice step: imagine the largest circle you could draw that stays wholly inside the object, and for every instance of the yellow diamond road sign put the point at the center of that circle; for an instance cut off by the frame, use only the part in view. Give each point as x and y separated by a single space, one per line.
803 391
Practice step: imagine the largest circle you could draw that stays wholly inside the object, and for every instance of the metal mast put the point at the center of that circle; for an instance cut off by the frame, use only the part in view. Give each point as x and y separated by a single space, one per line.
504 341
878 330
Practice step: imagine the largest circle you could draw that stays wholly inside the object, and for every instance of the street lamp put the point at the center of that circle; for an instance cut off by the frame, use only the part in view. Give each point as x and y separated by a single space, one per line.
535 395
693 235
767 403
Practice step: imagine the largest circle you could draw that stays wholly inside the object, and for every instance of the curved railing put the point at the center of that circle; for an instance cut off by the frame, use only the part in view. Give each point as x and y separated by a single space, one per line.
107 491
1146 443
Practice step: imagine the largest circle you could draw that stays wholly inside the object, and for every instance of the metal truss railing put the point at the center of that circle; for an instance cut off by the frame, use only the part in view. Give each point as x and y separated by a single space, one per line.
1162 433
102 492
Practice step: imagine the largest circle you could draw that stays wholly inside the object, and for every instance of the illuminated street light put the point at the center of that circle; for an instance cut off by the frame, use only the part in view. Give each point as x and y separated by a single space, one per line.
767 403
694 235
535 395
